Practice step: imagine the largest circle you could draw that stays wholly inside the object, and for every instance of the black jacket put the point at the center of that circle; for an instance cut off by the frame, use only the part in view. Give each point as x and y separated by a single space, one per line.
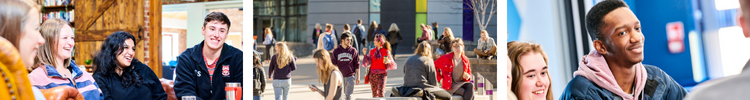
113 89
192 74
259 81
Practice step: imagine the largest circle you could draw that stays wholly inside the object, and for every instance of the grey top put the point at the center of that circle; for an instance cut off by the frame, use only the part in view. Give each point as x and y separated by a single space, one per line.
419 71
728 88
458 71
339 89
486 45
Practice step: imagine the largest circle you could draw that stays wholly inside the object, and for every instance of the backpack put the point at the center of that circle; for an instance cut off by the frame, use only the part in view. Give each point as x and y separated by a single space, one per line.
357 31
329 41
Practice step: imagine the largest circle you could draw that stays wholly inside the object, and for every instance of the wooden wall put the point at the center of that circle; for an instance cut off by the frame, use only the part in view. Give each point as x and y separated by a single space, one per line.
97 19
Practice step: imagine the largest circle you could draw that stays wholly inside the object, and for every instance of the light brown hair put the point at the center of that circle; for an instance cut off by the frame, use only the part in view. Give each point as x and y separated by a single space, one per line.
515 51
50 30
328 66
13 15
424 49
284 56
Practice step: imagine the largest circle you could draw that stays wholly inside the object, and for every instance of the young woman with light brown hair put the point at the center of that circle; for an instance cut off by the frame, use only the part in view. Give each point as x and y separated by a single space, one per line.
280 71
530 75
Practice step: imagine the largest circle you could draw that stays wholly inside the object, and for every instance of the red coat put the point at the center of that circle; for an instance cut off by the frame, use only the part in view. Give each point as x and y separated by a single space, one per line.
444 66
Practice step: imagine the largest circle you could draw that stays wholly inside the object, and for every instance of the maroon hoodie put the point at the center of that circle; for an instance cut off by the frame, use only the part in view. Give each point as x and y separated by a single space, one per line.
346 59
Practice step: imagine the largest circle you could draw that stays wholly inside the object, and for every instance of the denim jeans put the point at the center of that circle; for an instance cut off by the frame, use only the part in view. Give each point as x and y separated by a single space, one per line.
256 97
281 88
349 87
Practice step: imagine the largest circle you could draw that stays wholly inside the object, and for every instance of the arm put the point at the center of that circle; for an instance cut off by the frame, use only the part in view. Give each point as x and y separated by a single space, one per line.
335 79
334 61
185 82
431 74
157 89
398 35
262 76
320 41
272 67
335 43
356 66
293 64
481 45
103 87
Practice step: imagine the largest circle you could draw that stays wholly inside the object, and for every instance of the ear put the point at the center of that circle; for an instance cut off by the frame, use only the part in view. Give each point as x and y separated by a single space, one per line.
743 24
600 47
202 29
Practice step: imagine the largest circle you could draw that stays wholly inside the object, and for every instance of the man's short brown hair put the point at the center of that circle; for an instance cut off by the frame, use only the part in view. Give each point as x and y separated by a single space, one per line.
217 16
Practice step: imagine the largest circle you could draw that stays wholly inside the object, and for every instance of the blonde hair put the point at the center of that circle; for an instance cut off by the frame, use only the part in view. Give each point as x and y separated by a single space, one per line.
394 27
515 51
283 57
268 31
448 33
424 49
50 30
325 72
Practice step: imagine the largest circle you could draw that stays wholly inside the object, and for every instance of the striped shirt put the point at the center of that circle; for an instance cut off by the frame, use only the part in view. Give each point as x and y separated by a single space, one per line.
46 77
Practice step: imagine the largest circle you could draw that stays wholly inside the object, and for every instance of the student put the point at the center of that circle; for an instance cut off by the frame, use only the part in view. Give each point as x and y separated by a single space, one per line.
731 87
435 30
269 41
327 40
419 72
613 70
316 33
259 78
360 34
55 67
425 34
197 66
380 61
394 36
454 70
530 75
347 59
445 41
485 46
511 95
370 36
280 71
329 75
122 77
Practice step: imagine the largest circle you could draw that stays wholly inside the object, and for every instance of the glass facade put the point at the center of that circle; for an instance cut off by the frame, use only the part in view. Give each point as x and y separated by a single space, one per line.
286 17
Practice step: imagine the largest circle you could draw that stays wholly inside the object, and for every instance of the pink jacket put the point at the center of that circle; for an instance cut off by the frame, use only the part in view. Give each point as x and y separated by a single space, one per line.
594 67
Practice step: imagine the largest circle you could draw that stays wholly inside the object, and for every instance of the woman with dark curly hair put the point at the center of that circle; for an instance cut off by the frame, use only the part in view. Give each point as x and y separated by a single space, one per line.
120 76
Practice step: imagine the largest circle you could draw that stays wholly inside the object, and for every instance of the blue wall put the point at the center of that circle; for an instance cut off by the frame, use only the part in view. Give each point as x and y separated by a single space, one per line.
654 16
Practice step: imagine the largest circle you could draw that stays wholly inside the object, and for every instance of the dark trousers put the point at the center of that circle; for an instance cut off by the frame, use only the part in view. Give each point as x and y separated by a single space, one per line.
393 47
268 52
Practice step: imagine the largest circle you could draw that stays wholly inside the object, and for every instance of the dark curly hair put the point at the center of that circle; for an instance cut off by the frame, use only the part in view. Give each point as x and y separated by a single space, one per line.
105 61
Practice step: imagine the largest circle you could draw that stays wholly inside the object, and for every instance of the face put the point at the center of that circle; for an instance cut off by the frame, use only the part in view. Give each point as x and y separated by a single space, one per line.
484 35
319 63
277 49
458 48
535 82
508 74
624 39
31 39
127 54
214 34
65 42
378 37
346 41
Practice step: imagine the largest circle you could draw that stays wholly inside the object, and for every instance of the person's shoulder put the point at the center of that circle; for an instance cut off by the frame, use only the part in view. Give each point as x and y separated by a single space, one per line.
729 88
579 86
656 72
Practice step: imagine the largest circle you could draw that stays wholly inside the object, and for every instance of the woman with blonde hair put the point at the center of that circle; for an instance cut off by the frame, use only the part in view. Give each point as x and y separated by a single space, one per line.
454 70
530 78
445 41
280 71
268 41
54 65
394 36
419 72
329 75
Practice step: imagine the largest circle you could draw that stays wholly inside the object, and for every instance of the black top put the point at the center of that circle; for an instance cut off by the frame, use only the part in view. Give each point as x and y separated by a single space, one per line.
113 89
193 77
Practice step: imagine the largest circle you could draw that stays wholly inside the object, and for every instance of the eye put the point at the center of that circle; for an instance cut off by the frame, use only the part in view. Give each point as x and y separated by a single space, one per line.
544 73
638 29
621 33
530 76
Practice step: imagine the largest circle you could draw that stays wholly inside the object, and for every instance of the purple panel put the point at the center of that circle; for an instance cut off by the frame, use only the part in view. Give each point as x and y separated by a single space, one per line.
468 31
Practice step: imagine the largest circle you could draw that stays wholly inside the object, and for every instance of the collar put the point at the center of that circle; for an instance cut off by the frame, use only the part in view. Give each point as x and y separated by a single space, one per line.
51 71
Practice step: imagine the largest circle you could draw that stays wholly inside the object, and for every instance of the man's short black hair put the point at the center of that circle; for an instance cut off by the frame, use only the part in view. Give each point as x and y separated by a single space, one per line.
345 35
359 21
217 16
595 17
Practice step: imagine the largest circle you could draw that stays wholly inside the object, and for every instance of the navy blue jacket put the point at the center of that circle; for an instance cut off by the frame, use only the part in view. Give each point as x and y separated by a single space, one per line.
659 86
192 74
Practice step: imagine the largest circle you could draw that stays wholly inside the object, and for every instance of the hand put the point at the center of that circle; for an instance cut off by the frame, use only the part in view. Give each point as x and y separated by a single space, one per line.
466 76
270 79
311 89
485 51
357 81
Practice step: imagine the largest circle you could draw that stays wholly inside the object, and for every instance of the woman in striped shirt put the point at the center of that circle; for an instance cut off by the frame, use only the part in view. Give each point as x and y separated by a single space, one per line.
54 66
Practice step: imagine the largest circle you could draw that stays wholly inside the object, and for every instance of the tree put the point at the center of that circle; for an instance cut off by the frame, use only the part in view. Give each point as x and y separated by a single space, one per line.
483 10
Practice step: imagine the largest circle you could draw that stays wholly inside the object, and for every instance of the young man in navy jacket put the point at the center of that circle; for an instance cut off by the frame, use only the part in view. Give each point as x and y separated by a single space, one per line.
197 66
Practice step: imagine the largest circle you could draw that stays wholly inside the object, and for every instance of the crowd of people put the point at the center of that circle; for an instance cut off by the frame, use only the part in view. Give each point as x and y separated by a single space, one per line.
46 54
338 61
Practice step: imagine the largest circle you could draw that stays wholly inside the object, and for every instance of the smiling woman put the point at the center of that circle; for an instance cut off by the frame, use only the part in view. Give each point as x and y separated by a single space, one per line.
531 80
